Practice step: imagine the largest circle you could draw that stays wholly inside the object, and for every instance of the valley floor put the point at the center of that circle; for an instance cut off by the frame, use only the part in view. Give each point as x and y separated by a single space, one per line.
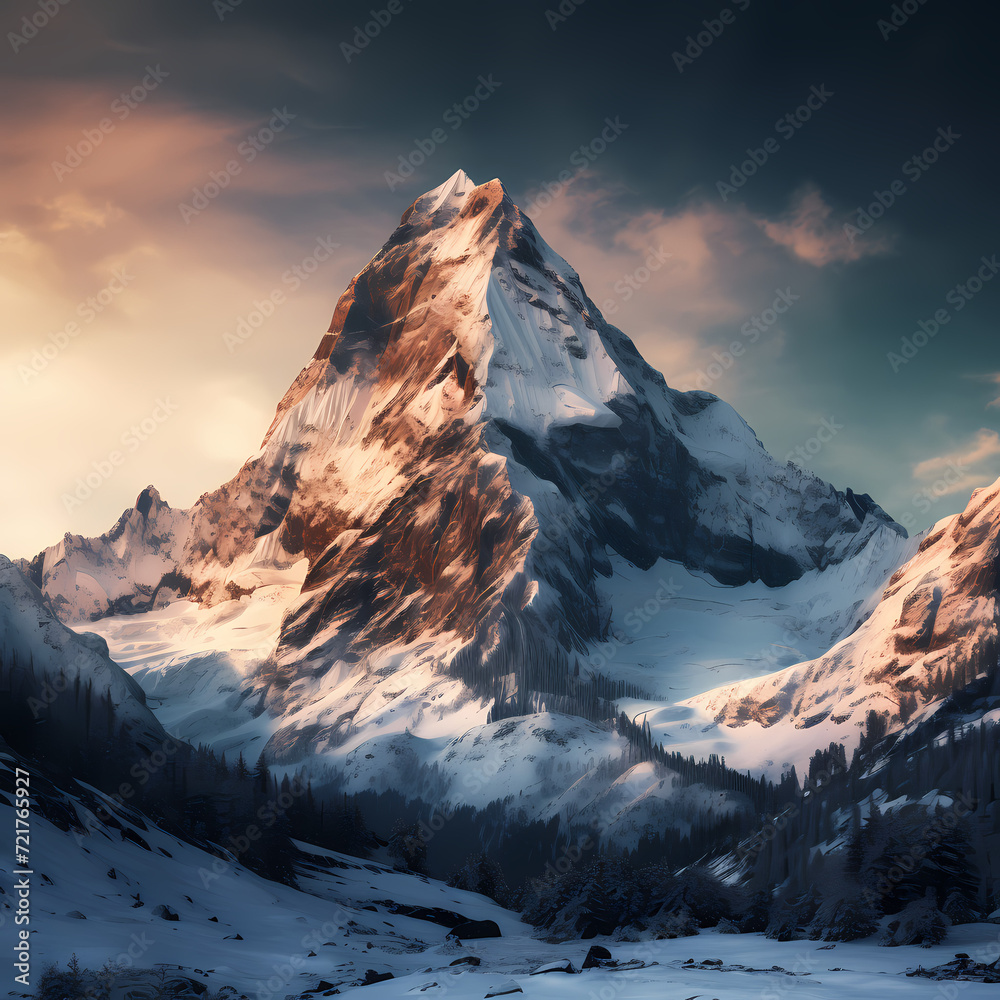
751 967
349 916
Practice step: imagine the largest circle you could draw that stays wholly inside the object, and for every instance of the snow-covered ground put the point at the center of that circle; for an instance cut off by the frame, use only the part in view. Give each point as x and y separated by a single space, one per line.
195 664
804 969
272 941
938 611
678 633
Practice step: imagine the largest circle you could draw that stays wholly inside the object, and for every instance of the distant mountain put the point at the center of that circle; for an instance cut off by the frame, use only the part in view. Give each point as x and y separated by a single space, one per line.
934 632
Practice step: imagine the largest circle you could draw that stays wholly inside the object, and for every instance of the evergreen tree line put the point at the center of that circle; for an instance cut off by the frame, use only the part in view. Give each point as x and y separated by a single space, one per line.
824 861
924 871
521 676
69 731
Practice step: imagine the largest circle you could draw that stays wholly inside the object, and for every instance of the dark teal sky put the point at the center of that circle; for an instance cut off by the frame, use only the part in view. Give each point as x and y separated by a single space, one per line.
926 426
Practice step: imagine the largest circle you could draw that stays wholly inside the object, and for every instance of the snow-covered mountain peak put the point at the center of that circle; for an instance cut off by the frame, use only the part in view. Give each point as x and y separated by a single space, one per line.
451 194
448 485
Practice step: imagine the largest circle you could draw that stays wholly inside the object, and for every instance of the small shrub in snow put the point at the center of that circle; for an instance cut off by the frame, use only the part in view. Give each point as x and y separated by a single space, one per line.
791 917
920 922
848 919
958 910
482 874
63 984
630 934
672 924
753 918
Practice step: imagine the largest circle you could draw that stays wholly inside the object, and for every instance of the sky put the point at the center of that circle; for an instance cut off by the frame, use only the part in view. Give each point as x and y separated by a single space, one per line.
791 207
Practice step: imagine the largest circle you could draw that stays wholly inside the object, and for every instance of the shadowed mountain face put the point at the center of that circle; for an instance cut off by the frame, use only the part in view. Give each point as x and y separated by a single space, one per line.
61 695
455 470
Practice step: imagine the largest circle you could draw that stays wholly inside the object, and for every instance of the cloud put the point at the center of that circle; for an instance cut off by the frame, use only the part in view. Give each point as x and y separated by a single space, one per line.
964 467
725 267
810 232
995 379
63 236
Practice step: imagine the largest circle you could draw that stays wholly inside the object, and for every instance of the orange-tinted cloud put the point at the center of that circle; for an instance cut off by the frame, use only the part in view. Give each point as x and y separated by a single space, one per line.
809 230
964 467
112 301
725 266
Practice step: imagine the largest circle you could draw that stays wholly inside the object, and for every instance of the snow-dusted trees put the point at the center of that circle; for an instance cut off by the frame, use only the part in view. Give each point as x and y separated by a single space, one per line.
408 847
919 922
482 874
610 895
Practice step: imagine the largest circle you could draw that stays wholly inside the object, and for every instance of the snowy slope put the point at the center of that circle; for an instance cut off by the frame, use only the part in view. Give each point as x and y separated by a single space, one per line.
675 632
348 917
84 865
198 666
197 663
937 619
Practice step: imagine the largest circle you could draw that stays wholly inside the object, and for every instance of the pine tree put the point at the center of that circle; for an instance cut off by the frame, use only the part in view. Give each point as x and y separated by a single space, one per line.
408 847
56 984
